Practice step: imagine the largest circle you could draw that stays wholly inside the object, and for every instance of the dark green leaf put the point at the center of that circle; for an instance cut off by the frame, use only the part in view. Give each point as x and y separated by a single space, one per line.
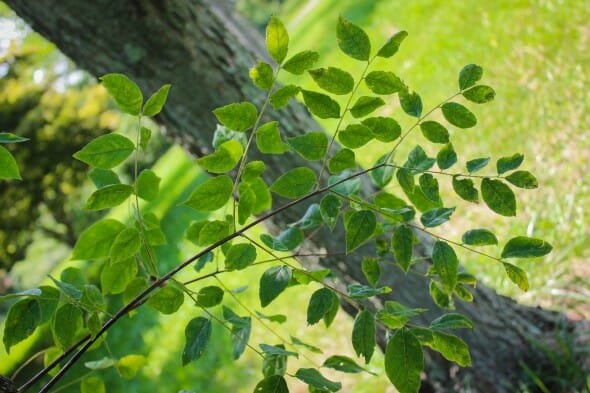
8 166
395 315
452 321
210 296
392 45
363 335
156 102
385 129
355 136
278 318
7 137
280 98
124 91
383 175
106 151
402 245
404 361
312 377
240 256
434 132
66 323
418 161
237 117
330 209
458 115
465 189
273 282
411 103
320 304
526 247
436 216
311 219
109 196
288 240
103 177
211 195
240 334
358 291
277 39
476 164
311 146
97 239
480 94
440 297
446 157
406 180
23 318
295 183
28 292
384 82
371 270
343 159
352 40
365 105
517 276
203 260
469 76
446 264
429 186
224 159
268 139
523 179
499 197
301 62
125 246
333 80
272 384
479 237
321 105
343 363
167 299
506 164
359 228
277 350
115 277
197 333
262 75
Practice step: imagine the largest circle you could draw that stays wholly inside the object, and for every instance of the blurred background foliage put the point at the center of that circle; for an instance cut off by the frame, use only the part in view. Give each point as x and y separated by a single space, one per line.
535 53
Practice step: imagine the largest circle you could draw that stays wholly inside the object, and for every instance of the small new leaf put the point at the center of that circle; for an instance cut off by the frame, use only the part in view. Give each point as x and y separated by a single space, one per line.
262 75
156 102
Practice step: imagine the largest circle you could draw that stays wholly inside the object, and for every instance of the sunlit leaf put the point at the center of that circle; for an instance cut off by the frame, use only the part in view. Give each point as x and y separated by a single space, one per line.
359 228
109 196
363 335
294 183
277 39
211 195
238 117
21 321
366 105
8 166
352 40
240 256
273 282
156 102
321 105
262 75
124 91
300 62
97 239
106 151
333 80
224 159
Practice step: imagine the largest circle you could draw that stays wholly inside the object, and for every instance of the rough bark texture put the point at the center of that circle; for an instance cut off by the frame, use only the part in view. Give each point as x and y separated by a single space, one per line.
204 50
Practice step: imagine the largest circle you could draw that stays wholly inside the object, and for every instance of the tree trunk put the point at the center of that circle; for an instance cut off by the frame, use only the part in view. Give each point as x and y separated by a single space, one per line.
205 50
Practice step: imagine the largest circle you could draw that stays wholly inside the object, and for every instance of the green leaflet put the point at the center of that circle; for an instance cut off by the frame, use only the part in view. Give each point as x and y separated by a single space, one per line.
262 75
315 379
506 164
476 164
434 132
344 187
247 202
240 256
312 146
273 282
295 183
321 105
402 245
145 135
392 45
352 40
330 209
197 333
65 324
429 186
148 185
358 291
115 277
523 179
277 350
300 62
411 103
333 80
272 384
8 137
418 161
268 139
252 170
237 117
452 321
526 247
321 303
8 166
129 365
437 216
469 76
263 198
125 246
366 105
167 299
383 175
23 318
106 151
479 237
277 40
288 240
371 270
213 231
480 94
363 335
465 189
404 361
451 347
395 315
355 136
124 91
280 98
384 82
103 177
27 292
296 341
406 180
343 364
154 235
384 129
224 159
211 195
240 331
156 102
440 297
499 197
458 115
343 159
359 228
92 385
446 264
446 157
274 364
109 196
517 276
278 318
97 239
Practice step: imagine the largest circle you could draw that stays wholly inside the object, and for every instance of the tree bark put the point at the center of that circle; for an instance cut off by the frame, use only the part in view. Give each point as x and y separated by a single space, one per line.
205 50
